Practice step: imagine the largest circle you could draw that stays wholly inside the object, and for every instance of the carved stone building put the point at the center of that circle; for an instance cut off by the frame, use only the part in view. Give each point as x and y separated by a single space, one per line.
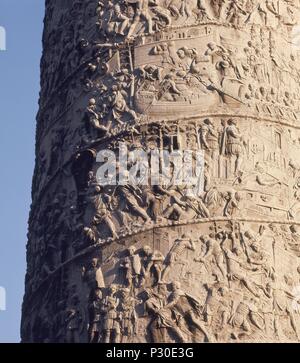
151 263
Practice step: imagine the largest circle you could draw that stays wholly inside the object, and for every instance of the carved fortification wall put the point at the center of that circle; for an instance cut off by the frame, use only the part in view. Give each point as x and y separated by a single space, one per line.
151 263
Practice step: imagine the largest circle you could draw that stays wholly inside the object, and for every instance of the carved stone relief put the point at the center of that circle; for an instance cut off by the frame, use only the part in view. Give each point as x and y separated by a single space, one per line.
157 263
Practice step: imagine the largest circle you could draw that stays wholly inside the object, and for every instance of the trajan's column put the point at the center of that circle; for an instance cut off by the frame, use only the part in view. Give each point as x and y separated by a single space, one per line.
158 263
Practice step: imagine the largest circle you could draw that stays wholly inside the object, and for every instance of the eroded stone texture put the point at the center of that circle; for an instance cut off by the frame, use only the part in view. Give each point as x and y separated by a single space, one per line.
152 264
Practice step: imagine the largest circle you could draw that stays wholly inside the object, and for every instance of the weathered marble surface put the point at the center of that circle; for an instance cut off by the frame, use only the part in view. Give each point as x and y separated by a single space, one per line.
150 264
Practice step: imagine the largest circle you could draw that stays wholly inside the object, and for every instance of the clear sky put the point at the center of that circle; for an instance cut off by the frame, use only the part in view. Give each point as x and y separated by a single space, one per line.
19 88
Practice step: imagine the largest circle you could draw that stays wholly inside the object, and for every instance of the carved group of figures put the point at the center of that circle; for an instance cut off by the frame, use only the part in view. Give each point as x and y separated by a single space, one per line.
112 105
94 214
227 154
191 78
243 296
65 44
110 111
132 17
97 84
251 74
120 90
232 288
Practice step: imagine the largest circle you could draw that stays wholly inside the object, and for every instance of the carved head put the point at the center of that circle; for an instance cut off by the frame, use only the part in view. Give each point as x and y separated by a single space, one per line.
205 238
130 12
259 167
176 285
125 292
223 290
220 235
262 90
98 293
224 64
211 45
114 88
231 122
181 53
131 250
147 250
90 175
92 102
94 262
113 289
249 235
98 189
255 247
207 121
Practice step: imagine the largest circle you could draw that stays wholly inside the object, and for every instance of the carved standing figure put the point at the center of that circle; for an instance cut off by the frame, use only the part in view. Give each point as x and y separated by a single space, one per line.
111 321
180 245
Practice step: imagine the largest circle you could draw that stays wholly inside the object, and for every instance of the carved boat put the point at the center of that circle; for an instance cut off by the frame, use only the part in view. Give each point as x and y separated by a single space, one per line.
146 103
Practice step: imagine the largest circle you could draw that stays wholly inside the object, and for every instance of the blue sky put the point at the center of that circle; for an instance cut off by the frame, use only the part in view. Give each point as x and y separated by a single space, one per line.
19 88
